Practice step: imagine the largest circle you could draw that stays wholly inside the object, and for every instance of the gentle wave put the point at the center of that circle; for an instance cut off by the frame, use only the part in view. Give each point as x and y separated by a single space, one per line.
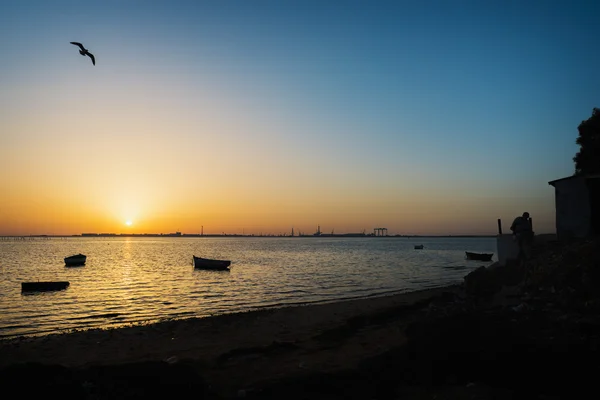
137 280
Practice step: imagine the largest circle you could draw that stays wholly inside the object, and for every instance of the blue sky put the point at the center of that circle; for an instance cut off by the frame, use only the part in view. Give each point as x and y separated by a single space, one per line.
472 103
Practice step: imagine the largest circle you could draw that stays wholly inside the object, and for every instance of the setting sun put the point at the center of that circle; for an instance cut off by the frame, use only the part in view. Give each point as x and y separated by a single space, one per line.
308 143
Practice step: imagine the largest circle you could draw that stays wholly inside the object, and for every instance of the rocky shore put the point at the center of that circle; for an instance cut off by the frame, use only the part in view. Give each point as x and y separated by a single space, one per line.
523 331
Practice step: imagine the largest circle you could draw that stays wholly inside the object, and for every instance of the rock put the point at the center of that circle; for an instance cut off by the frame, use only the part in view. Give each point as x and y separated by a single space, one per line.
172 360
521 307
481 282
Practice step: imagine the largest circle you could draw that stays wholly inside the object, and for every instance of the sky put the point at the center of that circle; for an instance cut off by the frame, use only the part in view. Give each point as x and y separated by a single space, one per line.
422 117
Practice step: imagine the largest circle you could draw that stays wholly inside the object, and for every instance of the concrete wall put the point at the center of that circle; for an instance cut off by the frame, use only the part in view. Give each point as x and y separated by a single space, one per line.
573 212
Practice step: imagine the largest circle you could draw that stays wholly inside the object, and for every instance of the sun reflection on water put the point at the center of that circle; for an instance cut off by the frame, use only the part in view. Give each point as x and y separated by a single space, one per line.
129 280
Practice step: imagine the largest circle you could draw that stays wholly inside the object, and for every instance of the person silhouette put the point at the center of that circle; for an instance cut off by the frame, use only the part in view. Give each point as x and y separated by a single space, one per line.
523 234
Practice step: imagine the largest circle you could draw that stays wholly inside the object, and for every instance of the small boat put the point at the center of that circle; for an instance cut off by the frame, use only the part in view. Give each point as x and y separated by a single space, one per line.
75 260
207 263
478 256
418 247
43 286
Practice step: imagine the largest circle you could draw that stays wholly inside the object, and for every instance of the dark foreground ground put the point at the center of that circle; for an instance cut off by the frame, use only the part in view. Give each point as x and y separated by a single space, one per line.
536 341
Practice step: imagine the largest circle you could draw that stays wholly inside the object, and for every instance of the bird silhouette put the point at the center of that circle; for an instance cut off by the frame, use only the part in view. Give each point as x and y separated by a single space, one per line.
84 52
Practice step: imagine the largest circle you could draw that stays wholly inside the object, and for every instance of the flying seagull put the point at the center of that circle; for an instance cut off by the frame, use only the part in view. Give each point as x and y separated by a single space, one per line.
85 52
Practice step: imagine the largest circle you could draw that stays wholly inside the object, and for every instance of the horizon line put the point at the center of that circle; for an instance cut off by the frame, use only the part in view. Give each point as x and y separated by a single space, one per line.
179 234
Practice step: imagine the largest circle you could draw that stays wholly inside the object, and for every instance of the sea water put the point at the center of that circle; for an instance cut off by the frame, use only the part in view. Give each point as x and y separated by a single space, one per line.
129 280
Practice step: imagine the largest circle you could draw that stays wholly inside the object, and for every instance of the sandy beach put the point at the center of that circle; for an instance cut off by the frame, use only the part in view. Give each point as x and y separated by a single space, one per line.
306 337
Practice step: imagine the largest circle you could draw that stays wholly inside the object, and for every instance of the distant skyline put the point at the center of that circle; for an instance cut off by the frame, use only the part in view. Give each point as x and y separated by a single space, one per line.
258 116
226 234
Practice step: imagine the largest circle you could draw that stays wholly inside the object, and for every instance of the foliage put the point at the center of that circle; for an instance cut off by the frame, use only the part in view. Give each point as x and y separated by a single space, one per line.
587 160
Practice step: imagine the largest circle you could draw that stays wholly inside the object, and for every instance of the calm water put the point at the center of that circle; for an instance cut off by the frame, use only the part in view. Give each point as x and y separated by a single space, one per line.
133 280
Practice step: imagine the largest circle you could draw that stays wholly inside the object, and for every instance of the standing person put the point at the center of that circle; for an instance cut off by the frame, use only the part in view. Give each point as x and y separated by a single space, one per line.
523 233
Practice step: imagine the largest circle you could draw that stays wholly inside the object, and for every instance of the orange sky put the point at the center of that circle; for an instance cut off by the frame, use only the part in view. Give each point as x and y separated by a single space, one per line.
264 118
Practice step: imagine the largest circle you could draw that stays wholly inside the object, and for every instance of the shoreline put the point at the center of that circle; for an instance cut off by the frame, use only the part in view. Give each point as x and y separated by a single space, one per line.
200 338
394 292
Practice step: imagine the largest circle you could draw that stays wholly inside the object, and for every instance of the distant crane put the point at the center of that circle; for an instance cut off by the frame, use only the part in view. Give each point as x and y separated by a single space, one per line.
318 232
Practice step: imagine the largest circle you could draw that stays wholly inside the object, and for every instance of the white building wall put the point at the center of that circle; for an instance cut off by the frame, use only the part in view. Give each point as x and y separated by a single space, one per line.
508 248
573 213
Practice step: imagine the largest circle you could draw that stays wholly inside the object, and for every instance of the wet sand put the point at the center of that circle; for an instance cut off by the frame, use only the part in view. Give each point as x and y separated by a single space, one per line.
299 339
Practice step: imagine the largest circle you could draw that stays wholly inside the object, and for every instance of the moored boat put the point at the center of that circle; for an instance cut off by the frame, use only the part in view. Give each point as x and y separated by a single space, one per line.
419 247
207 263
43 286
75 260
478 256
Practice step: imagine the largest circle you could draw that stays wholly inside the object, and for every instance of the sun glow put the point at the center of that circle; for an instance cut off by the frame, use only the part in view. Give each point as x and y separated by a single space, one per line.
128 223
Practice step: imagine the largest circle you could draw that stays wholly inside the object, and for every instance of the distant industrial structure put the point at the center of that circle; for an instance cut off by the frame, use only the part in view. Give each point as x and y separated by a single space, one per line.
377 233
